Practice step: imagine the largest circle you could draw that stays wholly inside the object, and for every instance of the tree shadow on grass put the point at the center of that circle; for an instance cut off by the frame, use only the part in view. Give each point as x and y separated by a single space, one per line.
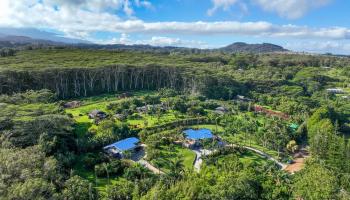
81 128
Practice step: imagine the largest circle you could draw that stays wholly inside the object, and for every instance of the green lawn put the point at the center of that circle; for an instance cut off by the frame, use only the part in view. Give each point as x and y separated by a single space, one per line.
187 155
250 158
211 127
239 139
153 120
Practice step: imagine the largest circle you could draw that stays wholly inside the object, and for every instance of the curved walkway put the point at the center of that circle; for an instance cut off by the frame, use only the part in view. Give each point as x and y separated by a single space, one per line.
140 157
199 152
198 162
150 167
280 164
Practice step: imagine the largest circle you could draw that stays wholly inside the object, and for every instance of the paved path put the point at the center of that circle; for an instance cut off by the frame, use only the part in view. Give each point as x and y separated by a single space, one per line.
198 162
280 164
265 155
150 167
140 157
199 152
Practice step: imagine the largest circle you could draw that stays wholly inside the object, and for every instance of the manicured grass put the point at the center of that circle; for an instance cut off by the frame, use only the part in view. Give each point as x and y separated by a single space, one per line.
250 158
187 155
239 139
153 120
211 127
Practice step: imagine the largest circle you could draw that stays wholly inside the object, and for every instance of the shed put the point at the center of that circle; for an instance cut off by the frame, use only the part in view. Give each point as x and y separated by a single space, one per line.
335 90
294 126
72 104
97 114
221 110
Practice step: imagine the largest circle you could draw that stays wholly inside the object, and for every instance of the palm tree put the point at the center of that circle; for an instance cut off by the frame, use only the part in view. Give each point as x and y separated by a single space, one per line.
176 167
108 180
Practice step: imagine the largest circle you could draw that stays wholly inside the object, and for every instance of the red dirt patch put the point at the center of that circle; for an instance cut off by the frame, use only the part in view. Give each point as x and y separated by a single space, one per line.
296 166
298 162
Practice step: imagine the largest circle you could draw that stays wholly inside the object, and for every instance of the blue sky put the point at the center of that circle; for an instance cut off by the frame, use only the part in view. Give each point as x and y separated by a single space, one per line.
300 25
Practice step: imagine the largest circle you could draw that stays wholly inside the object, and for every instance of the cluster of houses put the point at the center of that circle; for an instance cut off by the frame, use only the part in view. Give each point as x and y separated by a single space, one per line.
147 108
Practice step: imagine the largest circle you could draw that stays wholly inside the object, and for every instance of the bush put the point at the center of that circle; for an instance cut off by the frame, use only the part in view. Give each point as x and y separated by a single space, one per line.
167 92
91 159
135 116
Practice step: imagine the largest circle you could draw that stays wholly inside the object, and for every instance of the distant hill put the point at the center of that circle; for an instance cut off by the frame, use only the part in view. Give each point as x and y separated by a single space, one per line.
13 41
39 35
252 48
19 41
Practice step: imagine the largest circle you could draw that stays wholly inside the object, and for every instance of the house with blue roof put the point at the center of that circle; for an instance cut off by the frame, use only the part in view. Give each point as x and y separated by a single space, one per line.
193 138
118 149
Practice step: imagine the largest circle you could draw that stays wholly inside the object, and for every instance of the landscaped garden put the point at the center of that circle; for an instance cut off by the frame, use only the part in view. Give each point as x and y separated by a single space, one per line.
158 119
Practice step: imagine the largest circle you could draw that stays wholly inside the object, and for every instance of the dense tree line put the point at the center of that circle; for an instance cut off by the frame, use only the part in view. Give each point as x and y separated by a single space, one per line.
7 52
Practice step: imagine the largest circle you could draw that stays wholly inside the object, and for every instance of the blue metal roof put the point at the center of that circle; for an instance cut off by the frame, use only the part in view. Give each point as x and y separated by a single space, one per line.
124 145
198 134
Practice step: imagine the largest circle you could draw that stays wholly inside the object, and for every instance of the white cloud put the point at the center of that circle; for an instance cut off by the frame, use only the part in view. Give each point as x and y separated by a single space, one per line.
221 4
145 4
81 18
155 41
337 47
291 9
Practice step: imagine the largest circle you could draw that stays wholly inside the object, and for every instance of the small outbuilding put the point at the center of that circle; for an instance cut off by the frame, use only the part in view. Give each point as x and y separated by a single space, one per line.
335 91
97 114
221 110
142 109
294 127
118 149
120 117
243 98
72 104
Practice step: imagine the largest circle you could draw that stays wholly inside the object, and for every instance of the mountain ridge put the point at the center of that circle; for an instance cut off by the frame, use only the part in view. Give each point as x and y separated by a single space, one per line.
13 41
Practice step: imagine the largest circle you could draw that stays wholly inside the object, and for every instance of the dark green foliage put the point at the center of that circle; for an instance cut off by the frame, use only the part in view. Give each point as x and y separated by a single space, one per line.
315 182
77 188
41 96
113 168
7 52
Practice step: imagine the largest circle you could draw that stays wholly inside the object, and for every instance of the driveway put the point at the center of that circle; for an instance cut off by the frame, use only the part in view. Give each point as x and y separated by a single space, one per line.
140 156
150 167
199 153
